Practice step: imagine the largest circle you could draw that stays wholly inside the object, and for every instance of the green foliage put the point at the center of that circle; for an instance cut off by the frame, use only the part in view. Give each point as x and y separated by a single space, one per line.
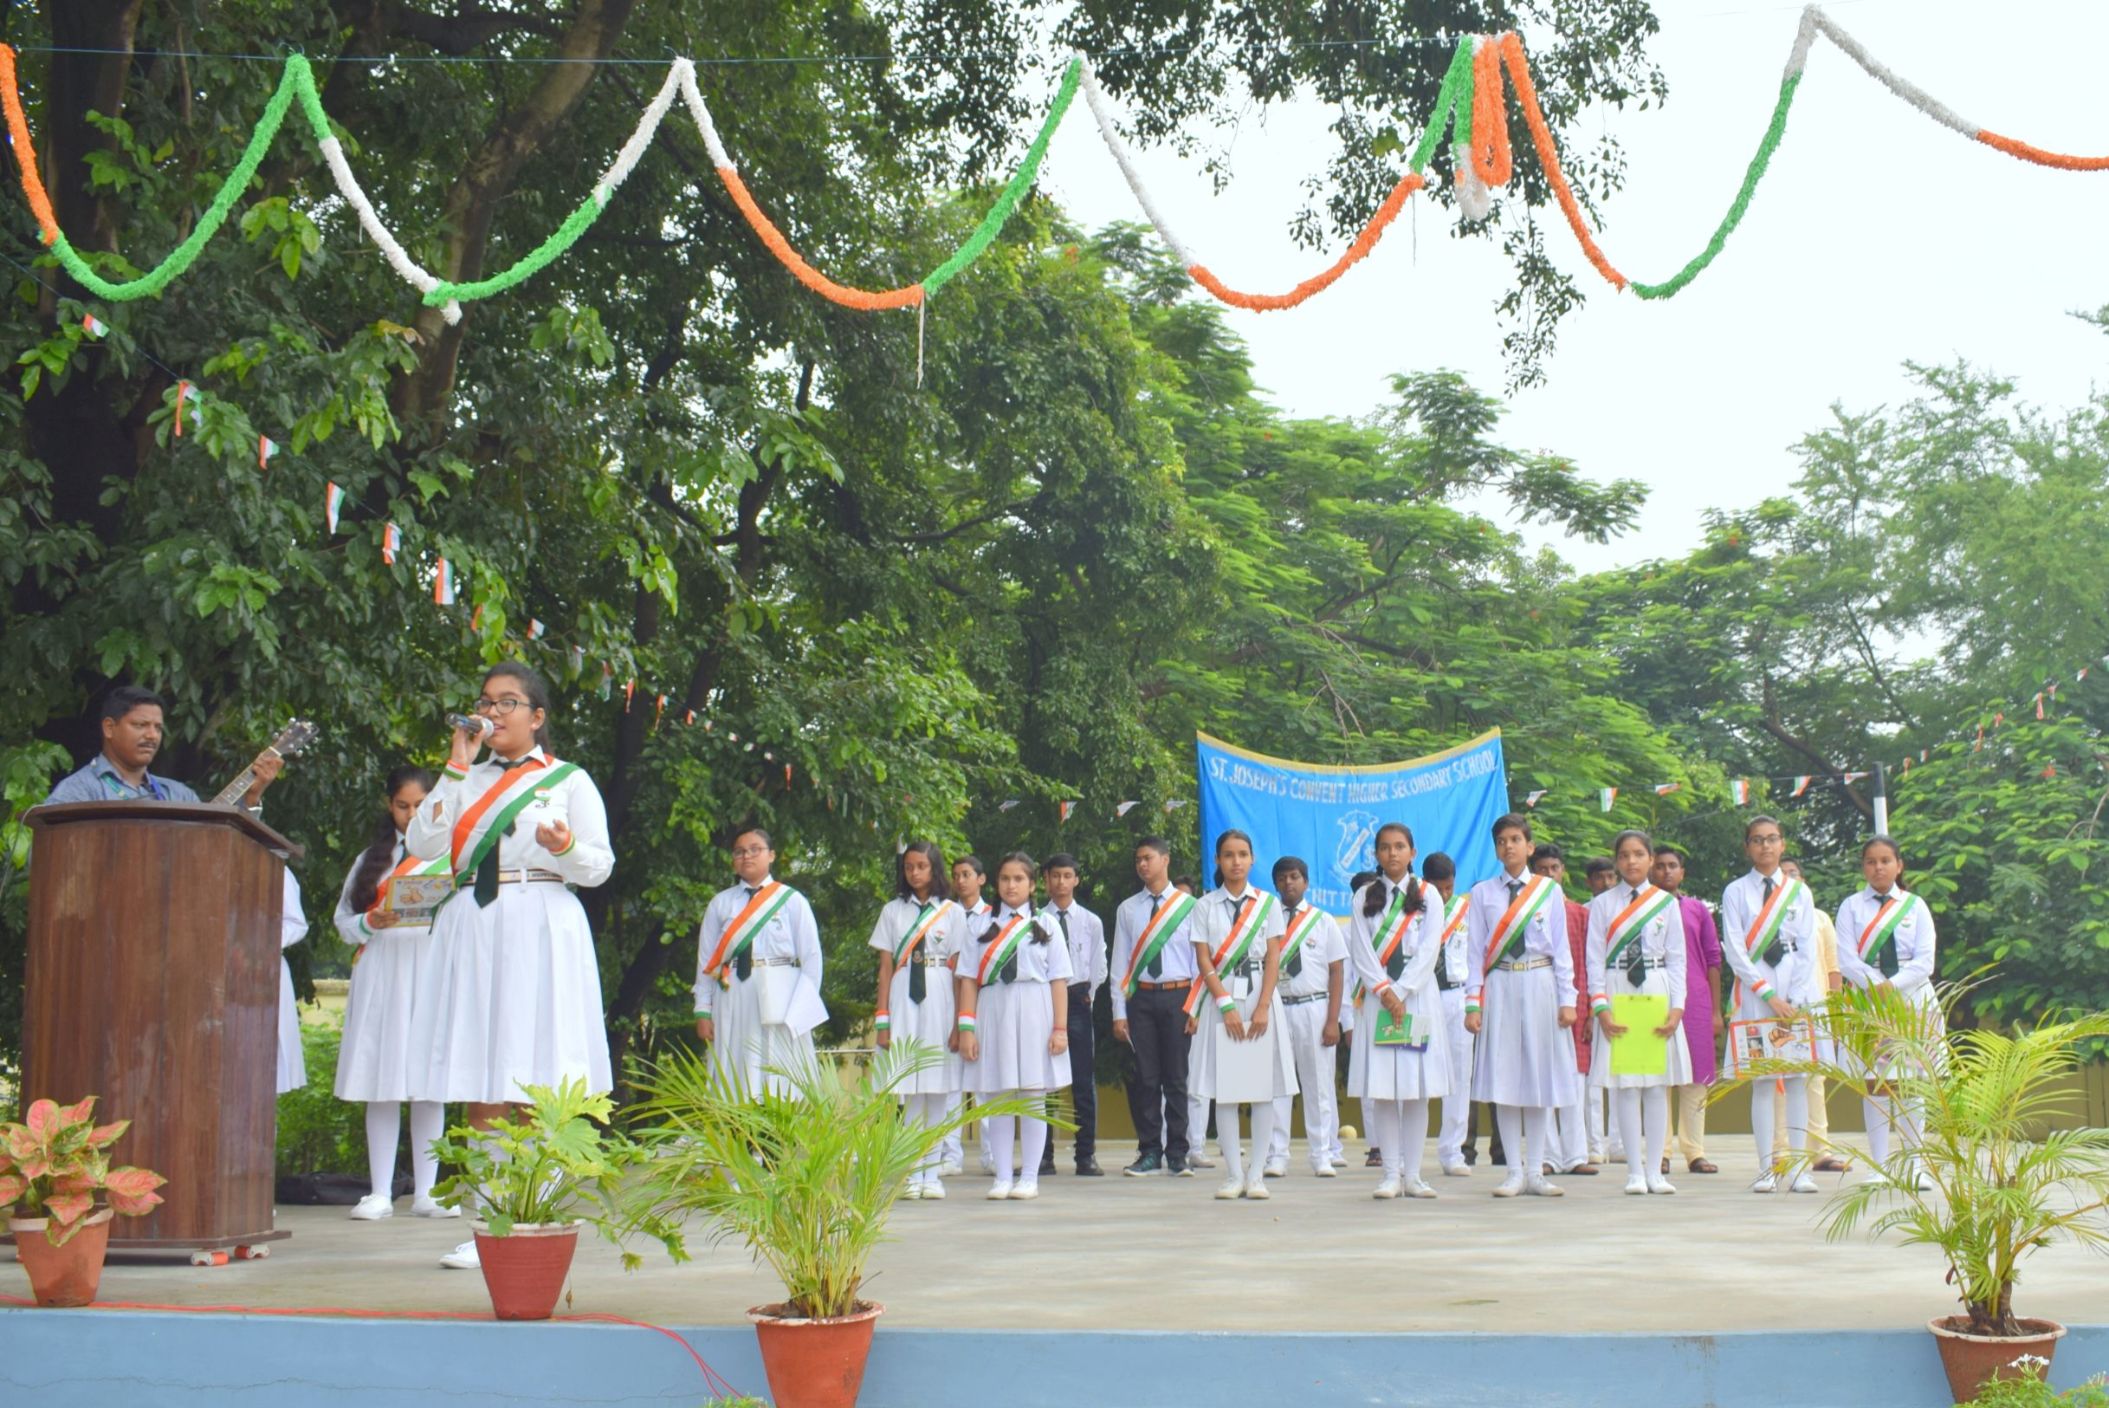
317 1132
55 1164
2005 1180
807 1179
2027 1388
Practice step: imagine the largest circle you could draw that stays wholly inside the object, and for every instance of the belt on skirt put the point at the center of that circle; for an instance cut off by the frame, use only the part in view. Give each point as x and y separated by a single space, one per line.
528 877
1165 986
1301 998
1524 965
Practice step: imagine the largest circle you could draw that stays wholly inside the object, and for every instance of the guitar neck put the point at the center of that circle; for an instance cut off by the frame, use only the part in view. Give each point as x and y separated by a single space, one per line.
243 781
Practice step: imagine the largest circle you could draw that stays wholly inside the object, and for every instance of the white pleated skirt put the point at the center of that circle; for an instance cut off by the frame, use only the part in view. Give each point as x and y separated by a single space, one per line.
929 1022
1397 1072
374 1060
292 1064
752 1054
1016 1021
1525 1056
1201 1054
508 997
1679 1071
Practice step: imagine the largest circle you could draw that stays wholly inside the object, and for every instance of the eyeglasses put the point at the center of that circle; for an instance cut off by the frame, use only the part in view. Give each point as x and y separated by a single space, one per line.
1764 838
499 706
744 852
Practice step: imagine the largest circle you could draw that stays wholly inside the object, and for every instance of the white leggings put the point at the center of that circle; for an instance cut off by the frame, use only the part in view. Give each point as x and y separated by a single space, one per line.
1643 1126
1884 1113
1399 1128
1227 1136
384 1129
1003 1137
928 1110
1761 1117
1526 1138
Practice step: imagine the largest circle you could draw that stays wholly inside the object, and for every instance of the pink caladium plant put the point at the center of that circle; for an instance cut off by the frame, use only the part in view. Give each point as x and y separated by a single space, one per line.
55 1164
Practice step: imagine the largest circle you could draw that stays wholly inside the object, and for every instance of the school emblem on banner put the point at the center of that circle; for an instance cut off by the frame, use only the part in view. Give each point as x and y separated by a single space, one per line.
1357 850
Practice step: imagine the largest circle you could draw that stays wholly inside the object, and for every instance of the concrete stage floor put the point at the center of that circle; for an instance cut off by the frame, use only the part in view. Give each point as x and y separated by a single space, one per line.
1162 1254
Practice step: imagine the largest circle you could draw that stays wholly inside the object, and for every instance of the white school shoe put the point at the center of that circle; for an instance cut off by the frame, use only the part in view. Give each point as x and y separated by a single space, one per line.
1256 1187
1658 1184
1323 1171
999 1190
428 1206
1199 1161
1539 1186
1419 1189
933 1191
1337 1160
1276 1168
1510 1187
373 1207
1457 1170
1025 1190
1637 1186
1390 1187
1803 1184
1230 1189
463 1258
951 1168
1767 1182
912 1193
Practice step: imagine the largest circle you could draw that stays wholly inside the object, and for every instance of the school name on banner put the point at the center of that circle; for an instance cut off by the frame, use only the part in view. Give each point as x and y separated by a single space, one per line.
1329 815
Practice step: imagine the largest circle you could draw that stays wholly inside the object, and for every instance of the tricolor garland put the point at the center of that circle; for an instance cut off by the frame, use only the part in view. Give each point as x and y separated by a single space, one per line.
1483 73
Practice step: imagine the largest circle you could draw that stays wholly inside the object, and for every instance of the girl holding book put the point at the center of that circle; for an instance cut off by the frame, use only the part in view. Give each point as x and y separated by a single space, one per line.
1636 950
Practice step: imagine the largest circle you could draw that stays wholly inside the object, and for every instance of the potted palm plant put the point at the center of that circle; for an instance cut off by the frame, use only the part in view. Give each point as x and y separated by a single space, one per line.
56 1181
533 1179
807 1179
1988 1180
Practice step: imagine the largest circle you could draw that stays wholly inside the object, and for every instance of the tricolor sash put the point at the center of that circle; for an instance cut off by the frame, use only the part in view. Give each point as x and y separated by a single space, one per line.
1632 921
503 801
1172 913
1509 931
1765 928
1881 931
1299 929
1390 933
920 930
1002 947
761 907
1231 952
1454 912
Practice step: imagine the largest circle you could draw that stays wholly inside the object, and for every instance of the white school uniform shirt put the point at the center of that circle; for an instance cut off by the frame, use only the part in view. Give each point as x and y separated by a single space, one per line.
1661 941
1087 943
1418 947
1456 953
1322 948
1545 937
897 920
1798 977
1914 942
351 923
1210 925
1037 962
1129 921
574 800
791 933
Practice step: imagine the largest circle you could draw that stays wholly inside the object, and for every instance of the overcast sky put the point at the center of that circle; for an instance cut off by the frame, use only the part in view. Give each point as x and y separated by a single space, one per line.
1878 237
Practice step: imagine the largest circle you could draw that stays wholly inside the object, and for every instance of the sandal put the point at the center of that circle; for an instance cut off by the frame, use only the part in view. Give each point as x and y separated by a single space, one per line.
1703 1166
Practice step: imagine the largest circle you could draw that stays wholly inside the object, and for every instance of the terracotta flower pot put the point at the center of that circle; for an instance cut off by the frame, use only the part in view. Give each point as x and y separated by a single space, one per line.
1972 1361
814 1363
524 1270
66 1275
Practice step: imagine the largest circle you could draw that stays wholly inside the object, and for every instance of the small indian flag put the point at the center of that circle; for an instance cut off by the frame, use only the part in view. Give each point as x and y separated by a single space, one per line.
443 584
1605 796
691 718
1064 810
476 618
1980 739
391 543
1664 789
629 693
1530 802
1801 783
1006 804
2083 673
658 711
2050 771
332 505
1174 805
186 392
265 448
94 326
787 776
2039 693
1125 807
534 629
1854 776
607 679
578 659
1741 788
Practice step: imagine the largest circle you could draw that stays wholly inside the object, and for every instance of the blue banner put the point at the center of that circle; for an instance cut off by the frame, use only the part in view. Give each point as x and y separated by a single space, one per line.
1329 815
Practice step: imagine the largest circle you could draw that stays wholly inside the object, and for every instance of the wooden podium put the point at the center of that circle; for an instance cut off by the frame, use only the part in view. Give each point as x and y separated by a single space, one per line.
153 985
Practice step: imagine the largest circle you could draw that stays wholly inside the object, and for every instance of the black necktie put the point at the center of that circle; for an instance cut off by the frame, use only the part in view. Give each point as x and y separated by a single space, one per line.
1010 965
1156 966
918 988
1515 889
1886 960
1636 964
1776 950
743 965
487 873
1295 965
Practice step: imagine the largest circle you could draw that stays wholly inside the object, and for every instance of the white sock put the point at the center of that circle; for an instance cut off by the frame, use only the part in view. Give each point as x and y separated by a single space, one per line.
1509 1120
1412 1139
1627 1101
1876 1112
1654 1119
1537 1129
384 1126
1797 1117
925 1110
1227 1141
428 1119
1384 1131
1002 1135
1262 1132
1761 1093
1035 1141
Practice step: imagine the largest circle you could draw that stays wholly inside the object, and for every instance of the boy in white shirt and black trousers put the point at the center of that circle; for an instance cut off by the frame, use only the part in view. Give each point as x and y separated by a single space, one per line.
1153 964
1080 929
1313 975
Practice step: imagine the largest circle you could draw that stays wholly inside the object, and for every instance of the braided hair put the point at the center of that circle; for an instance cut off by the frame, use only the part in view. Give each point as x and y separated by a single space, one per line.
379 855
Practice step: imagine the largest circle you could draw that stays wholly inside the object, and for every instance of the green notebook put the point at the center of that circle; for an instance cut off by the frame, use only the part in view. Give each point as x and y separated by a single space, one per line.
1394 1031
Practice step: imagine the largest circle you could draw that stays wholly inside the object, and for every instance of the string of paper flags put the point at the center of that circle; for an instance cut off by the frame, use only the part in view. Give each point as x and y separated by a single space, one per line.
1484 73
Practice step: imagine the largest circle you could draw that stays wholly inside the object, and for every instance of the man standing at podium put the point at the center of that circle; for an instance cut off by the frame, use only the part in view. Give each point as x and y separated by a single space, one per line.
132 732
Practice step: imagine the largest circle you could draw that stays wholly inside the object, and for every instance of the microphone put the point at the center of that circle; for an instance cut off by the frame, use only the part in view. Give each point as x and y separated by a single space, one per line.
468 723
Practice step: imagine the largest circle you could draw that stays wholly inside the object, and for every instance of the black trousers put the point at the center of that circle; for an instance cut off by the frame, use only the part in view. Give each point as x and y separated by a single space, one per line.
1083 1081
1157 1095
